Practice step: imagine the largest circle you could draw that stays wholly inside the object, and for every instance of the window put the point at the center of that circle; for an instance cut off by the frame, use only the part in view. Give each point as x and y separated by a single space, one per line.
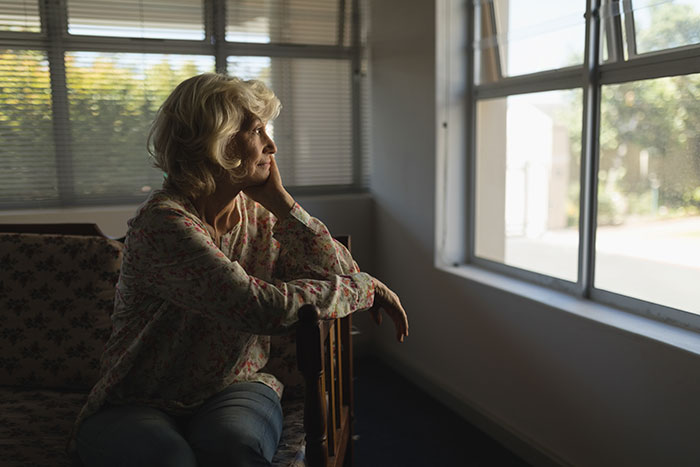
584 148
80 82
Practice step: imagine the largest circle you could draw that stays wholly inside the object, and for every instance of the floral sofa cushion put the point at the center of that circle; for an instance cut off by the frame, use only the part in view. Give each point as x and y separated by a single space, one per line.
290 451
35 427
56 295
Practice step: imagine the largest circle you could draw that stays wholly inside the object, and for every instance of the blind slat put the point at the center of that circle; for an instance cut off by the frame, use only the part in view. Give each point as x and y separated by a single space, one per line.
19 15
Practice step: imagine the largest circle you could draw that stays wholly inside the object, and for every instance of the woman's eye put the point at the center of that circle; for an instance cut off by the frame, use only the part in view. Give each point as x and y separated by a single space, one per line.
258 131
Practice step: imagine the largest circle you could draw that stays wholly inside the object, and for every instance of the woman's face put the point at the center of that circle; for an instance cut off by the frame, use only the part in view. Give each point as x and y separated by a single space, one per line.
255 148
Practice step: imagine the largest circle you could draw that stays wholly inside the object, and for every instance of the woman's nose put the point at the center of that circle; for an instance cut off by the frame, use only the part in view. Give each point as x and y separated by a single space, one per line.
270 147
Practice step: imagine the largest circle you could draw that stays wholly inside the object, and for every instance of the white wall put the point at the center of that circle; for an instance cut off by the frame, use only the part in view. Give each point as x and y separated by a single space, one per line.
580 391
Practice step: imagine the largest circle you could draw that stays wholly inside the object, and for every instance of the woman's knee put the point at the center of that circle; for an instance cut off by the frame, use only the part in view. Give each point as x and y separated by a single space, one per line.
127 436
228 443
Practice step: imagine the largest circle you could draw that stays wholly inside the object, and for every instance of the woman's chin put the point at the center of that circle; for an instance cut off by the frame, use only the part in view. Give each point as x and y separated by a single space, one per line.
258 179
263 171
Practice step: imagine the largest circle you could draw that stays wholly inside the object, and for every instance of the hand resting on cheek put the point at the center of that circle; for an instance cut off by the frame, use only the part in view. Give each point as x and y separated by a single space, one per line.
272 194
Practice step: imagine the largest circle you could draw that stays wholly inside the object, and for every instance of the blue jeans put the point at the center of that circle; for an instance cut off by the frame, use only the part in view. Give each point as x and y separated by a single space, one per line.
240 426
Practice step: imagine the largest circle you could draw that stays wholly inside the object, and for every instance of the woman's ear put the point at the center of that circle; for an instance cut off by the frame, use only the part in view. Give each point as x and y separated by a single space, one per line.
230 152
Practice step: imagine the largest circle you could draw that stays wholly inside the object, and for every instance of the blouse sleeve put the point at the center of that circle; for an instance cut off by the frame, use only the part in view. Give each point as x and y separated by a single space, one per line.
307 249
176 260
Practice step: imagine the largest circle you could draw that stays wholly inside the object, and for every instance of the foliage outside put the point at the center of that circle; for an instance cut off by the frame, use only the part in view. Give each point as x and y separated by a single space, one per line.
649 139
112 99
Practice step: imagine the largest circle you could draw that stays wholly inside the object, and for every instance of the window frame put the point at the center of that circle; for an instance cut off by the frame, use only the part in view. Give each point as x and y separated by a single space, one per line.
55 40
590 77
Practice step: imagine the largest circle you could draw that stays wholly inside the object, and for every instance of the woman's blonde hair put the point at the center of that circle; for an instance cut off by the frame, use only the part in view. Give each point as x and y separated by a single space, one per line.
193 127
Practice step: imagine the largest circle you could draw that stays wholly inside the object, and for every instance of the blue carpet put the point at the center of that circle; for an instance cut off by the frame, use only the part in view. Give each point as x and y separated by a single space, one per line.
399 425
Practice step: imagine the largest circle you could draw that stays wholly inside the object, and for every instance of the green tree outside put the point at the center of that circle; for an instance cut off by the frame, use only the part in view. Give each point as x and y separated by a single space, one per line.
649 140
112 99
27 150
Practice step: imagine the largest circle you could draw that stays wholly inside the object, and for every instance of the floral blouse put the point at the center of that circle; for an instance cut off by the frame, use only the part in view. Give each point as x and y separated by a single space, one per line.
192 317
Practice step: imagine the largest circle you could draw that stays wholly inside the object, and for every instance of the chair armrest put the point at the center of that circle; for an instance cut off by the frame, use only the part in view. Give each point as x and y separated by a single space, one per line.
324 357
310 363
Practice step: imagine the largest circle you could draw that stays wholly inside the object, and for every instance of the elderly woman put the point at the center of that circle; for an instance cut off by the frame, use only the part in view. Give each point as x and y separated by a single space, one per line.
217 261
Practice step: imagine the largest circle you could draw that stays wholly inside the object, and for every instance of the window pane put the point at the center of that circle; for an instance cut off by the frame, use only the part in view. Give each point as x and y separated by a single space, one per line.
161 19
664 24
288 21
648 237
112 100
527 181
19 15
519 37
314 130
27 158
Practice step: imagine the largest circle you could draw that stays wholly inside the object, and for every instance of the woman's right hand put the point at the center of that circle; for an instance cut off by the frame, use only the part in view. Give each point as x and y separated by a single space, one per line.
272 195
385 299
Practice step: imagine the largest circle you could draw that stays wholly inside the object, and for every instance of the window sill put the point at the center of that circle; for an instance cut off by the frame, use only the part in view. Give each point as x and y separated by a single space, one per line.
677 337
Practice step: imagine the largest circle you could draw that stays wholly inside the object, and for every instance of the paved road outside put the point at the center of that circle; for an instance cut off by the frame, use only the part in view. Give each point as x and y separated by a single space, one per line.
657 261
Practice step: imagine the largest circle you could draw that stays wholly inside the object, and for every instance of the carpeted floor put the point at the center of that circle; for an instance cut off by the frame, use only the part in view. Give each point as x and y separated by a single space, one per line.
399 425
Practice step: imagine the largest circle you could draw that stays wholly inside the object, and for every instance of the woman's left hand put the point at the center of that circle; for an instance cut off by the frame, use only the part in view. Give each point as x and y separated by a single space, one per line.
385 299
272 194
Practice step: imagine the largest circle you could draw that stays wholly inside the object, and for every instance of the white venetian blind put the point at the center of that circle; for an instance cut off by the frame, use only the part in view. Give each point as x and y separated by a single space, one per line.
153 19
324 22
75 109
27 157
19 15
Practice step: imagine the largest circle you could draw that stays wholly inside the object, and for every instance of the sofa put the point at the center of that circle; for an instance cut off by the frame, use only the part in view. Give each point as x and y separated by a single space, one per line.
56 295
